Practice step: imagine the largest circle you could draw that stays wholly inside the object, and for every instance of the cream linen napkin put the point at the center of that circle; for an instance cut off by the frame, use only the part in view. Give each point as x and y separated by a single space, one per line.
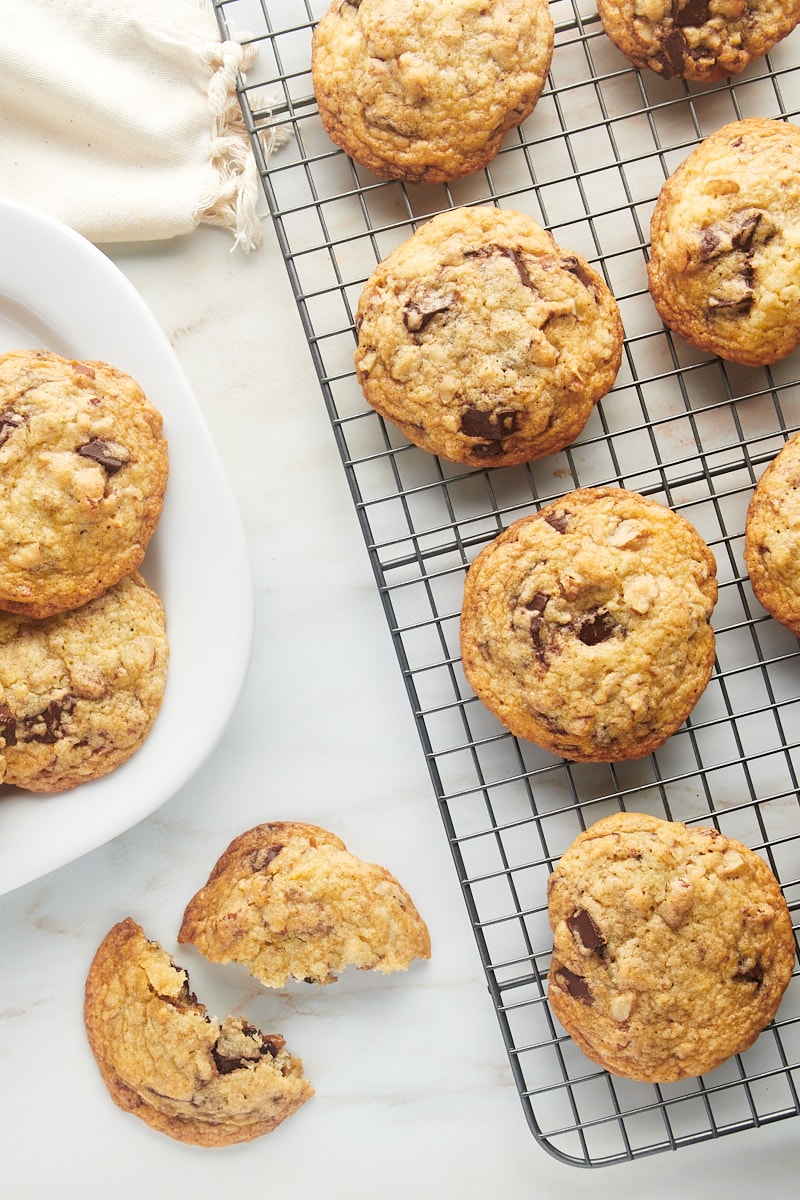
120 117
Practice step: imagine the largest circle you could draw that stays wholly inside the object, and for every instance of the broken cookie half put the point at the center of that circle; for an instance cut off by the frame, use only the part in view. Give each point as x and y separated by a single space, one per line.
289 901
164 1059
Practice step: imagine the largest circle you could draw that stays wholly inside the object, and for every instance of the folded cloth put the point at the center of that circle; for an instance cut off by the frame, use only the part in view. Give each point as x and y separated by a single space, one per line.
120 117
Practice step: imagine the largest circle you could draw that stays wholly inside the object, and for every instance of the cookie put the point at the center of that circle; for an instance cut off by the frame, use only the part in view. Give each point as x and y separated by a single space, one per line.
724 269
288 901
772 537
484 341
79 692
585 627
423 91
165 1060
83 470
672 946
697 39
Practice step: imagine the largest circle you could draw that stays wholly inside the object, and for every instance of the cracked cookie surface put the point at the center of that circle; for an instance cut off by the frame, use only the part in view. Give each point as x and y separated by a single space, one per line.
426 90
165 1060
672 946
724 270
585 627
288 901
79 691
484 341
83 471
697 39
772 537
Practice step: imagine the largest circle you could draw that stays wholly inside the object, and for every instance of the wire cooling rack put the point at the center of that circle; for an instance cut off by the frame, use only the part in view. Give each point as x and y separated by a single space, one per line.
687 429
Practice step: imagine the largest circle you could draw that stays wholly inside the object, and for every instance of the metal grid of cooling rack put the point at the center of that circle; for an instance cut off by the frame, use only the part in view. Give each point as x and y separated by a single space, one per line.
684 428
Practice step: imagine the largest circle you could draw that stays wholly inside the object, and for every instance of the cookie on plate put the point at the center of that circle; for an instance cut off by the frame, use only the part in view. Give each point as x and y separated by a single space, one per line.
672 946
585 627
425 91
83 470
724 270
165 1060
288 901
79 692
484 341
697 39
772 537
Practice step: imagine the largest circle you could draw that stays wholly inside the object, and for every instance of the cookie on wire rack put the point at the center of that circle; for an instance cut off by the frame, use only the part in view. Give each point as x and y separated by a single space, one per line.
697 39
586 627
724 269
426 90
772 537
672 946
484 341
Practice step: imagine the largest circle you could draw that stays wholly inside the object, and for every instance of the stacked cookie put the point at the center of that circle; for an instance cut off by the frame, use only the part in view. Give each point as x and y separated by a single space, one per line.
83 646
288 901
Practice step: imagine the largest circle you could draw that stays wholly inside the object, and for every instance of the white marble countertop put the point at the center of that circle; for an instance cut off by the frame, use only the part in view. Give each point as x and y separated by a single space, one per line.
414 1096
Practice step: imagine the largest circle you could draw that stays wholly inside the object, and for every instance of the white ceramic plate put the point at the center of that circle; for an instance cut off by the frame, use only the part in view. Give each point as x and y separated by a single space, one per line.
60 292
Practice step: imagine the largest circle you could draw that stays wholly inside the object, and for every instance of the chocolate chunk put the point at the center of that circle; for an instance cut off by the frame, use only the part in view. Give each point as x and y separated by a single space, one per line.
595 628
487 449
711 243
264 1046
557 521
752 974
749 222
418 312
45 726
490 425
9 421
571 264
539 603
583 925
100 452
8 725
260 859
506 252
694 12
575 985
671 58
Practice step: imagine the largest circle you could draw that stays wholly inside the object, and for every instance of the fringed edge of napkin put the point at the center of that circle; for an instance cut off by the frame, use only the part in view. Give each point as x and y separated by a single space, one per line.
232 196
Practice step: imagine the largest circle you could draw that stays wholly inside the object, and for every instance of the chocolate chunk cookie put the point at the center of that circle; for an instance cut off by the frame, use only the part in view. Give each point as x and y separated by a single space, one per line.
79 691
83 470
672 946
697 39
288 901
724 270
165 1060
484 341
426 91
772 537
586 627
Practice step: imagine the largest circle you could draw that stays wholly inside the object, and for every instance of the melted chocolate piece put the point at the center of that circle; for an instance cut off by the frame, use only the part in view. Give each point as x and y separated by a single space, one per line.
557 521
9 421
268 1048
8 725
506 252
583 925
595 628
539 603
260 859
45 726
754 974
490 425
671 58
100 452
571 264
418 312
575 985
695 12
